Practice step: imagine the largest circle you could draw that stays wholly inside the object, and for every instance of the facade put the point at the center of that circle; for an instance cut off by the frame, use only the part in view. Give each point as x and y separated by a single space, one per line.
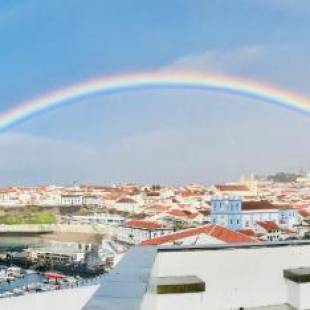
135 231
80 200
270 230
55 255
91 200
71 200
103 219
235 214
127 204
288 217
227 212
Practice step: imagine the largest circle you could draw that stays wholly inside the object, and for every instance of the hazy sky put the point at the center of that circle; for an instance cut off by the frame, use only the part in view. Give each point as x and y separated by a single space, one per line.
166 136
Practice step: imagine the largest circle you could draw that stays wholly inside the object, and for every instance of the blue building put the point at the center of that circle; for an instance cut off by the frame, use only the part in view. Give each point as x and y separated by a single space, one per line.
234 214
227 212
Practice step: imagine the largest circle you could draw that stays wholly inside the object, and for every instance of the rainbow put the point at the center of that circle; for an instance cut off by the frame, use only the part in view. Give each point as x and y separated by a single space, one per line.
151 80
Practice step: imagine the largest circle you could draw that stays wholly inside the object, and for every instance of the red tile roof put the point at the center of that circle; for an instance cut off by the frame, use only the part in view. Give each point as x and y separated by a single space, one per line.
113 196
153 194
232 187
268 225
191 193
182 213
126 200
248 232
143 224
287 231
230 236
218 232
159 207
263 204
304 212
256 205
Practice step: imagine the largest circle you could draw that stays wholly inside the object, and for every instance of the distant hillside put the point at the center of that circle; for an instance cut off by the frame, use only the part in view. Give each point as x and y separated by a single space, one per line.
283 177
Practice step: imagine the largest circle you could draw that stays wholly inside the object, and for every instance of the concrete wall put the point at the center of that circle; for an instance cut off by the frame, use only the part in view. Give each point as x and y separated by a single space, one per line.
73 299
149 301
299 295
293 296
234 278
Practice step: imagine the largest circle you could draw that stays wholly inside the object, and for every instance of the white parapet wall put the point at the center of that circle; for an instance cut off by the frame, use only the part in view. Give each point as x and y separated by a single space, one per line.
74 299
298 295
234 278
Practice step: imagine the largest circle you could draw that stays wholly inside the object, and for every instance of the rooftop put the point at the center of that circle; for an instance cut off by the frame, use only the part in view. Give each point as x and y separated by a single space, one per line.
218 232
232 187
268 225
249 276
143 224
261 204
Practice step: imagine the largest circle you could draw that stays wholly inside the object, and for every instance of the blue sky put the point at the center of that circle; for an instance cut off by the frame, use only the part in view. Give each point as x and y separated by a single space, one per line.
152 136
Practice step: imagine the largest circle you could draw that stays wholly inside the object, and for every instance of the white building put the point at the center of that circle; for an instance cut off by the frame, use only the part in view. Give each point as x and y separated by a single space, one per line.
135 231
236 214
72 199
127 204
98 218
269 229
92 200
56 255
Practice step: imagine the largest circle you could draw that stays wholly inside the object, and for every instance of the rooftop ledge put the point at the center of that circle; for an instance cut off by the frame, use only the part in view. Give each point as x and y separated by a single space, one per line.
298 275
125 287
179 285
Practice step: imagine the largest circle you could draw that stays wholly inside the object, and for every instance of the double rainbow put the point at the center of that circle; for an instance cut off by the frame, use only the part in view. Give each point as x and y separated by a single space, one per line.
150 80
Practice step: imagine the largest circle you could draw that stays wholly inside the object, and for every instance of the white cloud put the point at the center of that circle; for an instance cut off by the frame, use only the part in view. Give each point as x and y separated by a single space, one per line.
25 158
218 61
206 154
285 66
197 147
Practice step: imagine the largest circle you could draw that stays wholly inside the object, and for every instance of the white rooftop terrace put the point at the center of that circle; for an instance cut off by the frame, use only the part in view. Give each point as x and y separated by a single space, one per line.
217 277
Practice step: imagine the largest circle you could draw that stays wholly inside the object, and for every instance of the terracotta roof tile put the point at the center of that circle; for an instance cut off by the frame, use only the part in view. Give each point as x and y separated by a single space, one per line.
126 200
143 224
248 232
182 213
268 225
256 205
232 187
218 232
304 212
